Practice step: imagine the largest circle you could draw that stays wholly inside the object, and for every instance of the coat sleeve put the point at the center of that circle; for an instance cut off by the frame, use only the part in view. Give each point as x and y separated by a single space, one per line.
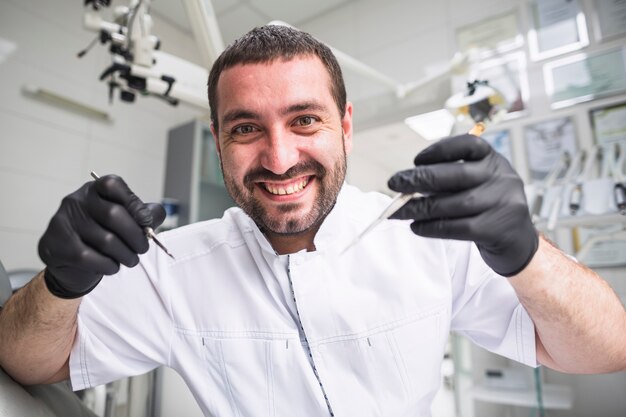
124 326
486 309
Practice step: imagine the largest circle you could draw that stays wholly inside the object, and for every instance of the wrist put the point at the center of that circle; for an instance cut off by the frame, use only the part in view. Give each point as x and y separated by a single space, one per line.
544 259
511 258
525 254
58 290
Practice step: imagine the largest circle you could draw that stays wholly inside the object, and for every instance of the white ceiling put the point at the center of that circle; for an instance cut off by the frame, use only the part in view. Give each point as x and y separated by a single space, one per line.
392 38
237 16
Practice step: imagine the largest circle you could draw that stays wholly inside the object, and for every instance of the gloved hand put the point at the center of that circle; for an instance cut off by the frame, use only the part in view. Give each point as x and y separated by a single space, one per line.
97 228
479 199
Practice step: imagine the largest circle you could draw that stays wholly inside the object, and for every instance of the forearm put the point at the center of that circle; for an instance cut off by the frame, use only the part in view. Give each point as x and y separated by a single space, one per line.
37 331
579 320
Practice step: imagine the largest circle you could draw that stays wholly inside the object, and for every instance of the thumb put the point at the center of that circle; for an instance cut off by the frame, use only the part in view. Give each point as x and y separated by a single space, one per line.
158 214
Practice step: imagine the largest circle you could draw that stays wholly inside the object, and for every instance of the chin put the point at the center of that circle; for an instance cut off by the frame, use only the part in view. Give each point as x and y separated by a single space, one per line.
292 223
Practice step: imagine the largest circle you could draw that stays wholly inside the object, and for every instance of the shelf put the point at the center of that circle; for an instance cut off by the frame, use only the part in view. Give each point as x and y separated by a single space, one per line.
584 220
557 397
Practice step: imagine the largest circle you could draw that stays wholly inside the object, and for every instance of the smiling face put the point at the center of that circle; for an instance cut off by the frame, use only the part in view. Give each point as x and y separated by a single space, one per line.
282 144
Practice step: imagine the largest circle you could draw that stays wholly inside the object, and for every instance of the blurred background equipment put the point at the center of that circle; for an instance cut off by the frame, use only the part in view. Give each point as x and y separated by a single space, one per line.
480 102
138 67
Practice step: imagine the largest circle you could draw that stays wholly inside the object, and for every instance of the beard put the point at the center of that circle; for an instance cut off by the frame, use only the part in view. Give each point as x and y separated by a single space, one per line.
288 221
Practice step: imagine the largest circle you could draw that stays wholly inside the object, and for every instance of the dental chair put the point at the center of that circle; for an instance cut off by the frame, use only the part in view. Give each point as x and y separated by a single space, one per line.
54 400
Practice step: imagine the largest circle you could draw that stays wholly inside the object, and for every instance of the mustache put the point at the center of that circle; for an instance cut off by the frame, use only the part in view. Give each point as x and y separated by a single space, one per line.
262 174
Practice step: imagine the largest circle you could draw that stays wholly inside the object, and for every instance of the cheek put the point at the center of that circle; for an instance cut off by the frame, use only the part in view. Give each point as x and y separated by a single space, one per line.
229 164
237 162
327 151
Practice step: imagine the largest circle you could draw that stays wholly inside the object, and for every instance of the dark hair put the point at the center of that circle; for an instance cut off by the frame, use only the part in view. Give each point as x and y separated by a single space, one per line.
269 43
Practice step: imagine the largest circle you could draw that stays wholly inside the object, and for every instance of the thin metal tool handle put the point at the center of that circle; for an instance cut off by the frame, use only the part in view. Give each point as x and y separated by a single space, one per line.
477 129
397 202
401 199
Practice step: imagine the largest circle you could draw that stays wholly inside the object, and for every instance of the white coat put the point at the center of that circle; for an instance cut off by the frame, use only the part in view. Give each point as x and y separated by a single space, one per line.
254 333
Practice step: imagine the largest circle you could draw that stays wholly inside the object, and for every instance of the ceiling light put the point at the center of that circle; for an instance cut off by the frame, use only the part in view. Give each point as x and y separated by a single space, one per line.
6 48
433 125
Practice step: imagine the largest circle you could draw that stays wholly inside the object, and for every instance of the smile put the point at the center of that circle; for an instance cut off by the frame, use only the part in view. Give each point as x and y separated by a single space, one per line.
286 189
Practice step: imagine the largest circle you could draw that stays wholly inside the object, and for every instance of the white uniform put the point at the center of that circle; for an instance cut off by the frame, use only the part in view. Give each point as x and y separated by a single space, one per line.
254 333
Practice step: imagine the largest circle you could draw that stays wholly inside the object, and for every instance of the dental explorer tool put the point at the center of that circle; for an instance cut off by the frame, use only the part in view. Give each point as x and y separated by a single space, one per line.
401 199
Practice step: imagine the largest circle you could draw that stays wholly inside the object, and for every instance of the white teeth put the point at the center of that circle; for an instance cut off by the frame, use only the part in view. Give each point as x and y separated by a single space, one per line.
292 188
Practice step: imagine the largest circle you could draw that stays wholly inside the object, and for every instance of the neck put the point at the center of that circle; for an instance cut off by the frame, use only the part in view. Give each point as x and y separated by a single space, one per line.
285 244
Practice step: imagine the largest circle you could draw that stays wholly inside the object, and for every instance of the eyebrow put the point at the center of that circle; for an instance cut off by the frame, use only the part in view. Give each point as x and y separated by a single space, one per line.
238 114
307 105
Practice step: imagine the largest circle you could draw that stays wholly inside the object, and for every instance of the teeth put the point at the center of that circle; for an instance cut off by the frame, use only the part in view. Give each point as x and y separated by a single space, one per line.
291 188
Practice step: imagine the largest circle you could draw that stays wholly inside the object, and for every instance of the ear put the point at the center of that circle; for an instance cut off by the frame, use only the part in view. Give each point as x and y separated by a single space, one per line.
346 125
217 140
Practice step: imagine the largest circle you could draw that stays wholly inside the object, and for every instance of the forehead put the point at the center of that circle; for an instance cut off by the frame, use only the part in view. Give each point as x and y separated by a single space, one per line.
273 83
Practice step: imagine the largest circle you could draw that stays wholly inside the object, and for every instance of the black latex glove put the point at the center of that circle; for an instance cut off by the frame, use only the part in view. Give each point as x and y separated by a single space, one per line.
479 199
97 228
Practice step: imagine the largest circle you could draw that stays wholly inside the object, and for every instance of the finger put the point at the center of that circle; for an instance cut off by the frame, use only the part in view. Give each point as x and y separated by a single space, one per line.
464 204
442 178
73 252
459 229
108 244
92 260
464 147
158 214
115 218
113 188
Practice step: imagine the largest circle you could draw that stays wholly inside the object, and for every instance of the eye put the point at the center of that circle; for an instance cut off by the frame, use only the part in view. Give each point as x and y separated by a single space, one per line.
305 121
243 129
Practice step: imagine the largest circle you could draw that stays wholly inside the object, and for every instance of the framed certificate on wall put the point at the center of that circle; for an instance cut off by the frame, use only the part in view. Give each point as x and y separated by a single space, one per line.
558 27
498 33
609 18
545 141
609 123
584 77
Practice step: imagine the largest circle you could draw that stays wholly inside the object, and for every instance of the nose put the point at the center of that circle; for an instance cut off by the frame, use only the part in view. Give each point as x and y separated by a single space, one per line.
280 151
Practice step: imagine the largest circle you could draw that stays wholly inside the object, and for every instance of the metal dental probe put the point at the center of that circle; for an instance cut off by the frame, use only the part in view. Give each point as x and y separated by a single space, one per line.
401 199
147 230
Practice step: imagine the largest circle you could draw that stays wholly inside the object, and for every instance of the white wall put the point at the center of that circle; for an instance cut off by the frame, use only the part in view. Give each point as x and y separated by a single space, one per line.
46 151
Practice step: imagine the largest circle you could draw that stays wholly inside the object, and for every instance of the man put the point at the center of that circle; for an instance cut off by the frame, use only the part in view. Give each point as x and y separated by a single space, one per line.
259 313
